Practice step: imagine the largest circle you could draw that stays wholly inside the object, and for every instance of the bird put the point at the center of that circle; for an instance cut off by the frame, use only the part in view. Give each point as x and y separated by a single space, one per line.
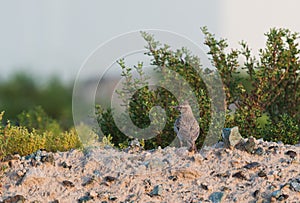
186 126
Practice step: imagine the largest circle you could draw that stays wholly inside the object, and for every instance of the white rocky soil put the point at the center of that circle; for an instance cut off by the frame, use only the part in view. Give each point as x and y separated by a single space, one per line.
270 173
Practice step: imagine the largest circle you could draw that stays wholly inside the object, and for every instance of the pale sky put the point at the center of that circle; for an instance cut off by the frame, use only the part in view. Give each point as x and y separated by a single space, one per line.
47 37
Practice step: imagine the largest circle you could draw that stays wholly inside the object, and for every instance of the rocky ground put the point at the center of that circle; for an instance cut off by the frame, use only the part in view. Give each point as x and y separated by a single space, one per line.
260 172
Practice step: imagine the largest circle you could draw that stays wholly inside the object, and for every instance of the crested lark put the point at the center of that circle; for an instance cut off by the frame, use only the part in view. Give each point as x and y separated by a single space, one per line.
186 126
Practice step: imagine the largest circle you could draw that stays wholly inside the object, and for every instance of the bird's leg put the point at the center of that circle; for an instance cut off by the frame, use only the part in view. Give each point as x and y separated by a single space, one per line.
180 143
192 146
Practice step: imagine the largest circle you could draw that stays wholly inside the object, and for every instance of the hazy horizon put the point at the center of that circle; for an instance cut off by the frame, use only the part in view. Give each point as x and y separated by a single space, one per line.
47 38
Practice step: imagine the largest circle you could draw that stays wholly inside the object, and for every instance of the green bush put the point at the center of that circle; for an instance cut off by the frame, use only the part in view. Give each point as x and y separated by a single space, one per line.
266 90
22 92
64 141
185 65
22 140
273 85
37 119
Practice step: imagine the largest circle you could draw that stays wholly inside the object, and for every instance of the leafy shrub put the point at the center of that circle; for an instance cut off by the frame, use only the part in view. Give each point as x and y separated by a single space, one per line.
24 141
22 92
272 89
62 142
184 64
266 90
285 129
37 119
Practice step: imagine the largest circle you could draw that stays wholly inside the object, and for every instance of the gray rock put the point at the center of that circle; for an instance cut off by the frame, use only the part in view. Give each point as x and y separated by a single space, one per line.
295 185
154 164
68 183
259 151
204 186
291 153
14 199
231 137
134 146
157 191
276 194
250 145
89 181
216 197
109 178
84 199
262 173
283 197
66 165
48 158
256 193
239 175
112 198
252 165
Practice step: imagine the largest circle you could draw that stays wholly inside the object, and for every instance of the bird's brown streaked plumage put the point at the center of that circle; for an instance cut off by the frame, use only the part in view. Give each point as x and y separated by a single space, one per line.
186 126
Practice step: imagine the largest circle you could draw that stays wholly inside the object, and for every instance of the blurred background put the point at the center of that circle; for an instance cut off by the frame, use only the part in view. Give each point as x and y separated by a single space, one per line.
44 43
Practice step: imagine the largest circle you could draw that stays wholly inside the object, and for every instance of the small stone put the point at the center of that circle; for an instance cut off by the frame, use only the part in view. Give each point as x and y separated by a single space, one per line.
256 193
68 183
112 198
225 188
154 164
239 175
283 197
252 165
223 175
84 199
231 137
157 191
197 158
65 165
291 153
262 173
28 157
134 146
89 181
109 178
250 145
15 199
276 194
259 151
294 184
204 186
216 197
173 178
48 158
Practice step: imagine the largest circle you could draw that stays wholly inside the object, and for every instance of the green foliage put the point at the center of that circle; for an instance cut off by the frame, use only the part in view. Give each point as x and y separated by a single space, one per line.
272 89
286 129
169 65
266 90
37 119
107 141
108 126
24 141
64 141
22 92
